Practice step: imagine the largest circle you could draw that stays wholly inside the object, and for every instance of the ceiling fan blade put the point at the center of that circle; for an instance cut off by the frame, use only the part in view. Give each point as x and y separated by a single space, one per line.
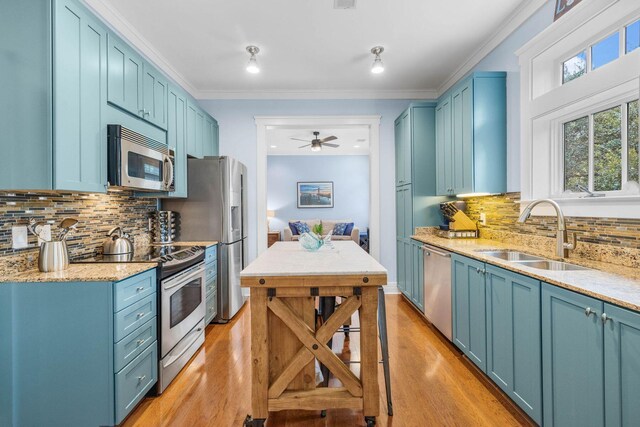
329 138
298 139
330 145
303 146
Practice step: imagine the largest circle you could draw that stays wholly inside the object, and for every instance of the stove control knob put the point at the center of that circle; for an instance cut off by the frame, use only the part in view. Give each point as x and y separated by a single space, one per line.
195 248
163 259
169 258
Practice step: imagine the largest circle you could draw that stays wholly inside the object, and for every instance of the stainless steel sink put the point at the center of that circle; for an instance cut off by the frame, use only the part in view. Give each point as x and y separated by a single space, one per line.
508 255
550 265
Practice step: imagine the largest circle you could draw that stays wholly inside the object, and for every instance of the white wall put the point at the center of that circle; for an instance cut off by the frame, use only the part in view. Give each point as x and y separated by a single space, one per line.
503 58
350 177
238 139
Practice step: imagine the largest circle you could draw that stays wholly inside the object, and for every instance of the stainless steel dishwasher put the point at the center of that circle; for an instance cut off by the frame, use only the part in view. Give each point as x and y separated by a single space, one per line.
437 288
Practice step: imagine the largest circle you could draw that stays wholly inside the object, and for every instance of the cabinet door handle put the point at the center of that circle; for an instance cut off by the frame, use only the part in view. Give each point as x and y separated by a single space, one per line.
141 315
589 311
142 378
604 318
140 289
140 342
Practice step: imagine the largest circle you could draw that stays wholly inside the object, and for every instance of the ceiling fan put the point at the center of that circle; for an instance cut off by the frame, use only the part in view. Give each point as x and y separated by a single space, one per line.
317 143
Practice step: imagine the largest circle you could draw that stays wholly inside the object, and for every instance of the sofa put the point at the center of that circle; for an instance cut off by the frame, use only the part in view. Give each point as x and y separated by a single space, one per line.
327 226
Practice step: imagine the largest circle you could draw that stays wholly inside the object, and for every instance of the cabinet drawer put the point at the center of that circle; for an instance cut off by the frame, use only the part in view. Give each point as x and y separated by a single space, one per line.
210 272
134 316
212 307
133 344
211 254
134 289
211 286
135 380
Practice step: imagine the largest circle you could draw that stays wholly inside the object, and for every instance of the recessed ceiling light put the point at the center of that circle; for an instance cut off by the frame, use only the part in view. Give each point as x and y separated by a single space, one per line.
273 146
356 146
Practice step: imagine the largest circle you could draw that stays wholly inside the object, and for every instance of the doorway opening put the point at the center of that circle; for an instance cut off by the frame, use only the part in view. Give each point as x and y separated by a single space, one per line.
358 138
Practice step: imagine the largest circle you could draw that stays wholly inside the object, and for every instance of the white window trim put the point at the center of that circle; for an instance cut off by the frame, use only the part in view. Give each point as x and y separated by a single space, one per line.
542 116
557 144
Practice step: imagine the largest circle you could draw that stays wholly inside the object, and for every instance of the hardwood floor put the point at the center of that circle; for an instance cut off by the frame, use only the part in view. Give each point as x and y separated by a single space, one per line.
432 384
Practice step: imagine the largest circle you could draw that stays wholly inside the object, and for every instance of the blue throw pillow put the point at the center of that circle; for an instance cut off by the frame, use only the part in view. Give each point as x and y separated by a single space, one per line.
302 227
338 229
294 228
348 229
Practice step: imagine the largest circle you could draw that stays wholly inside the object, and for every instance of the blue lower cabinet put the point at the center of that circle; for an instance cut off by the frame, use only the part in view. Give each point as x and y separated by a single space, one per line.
469 310
76 359
418 275
211 254
621 366
572 359
211 307
134 381
514 337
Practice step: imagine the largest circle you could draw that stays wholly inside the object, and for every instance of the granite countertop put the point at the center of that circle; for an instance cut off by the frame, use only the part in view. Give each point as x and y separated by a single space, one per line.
95 272
609 282
204 243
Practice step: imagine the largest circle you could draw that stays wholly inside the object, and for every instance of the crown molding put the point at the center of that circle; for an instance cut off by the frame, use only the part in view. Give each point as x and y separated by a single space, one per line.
317 94
114 19
526 9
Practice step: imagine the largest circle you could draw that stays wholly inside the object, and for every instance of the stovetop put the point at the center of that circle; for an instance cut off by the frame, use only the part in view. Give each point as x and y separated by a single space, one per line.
170 258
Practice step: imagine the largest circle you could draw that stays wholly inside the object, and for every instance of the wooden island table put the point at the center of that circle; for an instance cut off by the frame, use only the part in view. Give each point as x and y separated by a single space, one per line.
284 282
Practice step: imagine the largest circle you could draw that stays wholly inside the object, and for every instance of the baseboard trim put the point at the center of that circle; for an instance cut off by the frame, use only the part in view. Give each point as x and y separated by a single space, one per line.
391 288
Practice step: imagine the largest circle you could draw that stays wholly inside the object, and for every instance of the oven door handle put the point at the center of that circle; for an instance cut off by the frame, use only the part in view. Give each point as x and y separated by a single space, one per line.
177 281
184 350
167 172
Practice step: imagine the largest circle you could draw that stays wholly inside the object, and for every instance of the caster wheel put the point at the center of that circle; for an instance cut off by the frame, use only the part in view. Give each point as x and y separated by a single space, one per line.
371 421
323 413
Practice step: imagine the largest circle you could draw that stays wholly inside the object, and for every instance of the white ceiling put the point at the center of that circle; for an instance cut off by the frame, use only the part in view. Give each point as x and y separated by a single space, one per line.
307 47
352 141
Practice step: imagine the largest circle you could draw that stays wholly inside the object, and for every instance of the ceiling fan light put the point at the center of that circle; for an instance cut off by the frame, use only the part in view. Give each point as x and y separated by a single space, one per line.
316 148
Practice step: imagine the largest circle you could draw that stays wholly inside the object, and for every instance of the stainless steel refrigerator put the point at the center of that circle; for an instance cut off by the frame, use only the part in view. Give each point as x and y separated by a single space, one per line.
216 209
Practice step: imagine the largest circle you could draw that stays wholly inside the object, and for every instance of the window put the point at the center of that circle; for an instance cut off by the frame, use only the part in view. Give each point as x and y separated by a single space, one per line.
593 150
605 51
574 67
633 37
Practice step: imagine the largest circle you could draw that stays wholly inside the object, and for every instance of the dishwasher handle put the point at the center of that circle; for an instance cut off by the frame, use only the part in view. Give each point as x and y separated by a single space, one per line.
428 250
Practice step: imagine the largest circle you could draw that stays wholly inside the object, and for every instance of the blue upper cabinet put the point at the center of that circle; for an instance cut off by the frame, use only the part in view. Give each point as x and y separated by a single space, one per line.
54 56
125 70
135 85
154 97
79 73
177 138
622 366
471 136
573 359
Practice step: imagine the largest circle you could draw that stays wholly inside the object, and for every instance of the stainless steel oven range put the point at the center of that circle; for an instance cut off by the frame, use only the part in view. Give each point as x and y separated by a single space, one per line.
182 310
181 301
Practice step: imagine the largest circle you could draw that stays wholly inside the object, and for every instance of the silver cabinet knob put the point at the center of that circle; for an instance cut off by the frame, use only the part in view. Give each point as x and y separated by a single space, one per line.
142 378
604 318
589 311
140 289
140 342
141 315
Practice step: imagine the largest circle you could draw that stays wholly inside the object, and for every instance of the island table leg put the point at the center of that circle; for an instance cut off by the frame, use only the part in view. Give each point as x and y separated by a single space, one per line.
369 352
259 355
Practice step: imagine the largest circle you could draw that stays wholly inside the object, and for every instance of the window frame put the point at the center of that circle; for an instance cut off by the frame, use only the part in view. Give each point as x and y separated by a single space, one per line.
558 190
546 103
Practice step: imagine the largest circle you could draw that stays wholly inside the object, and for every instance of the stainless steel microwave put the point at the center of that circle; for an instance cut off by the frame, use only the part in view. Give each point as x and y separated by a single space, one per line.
138 162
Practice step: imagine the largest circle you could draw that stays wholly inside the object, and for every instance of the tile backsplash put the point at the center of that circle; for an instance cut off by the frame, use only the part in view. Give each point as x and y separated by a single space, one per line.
97 213
502 211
